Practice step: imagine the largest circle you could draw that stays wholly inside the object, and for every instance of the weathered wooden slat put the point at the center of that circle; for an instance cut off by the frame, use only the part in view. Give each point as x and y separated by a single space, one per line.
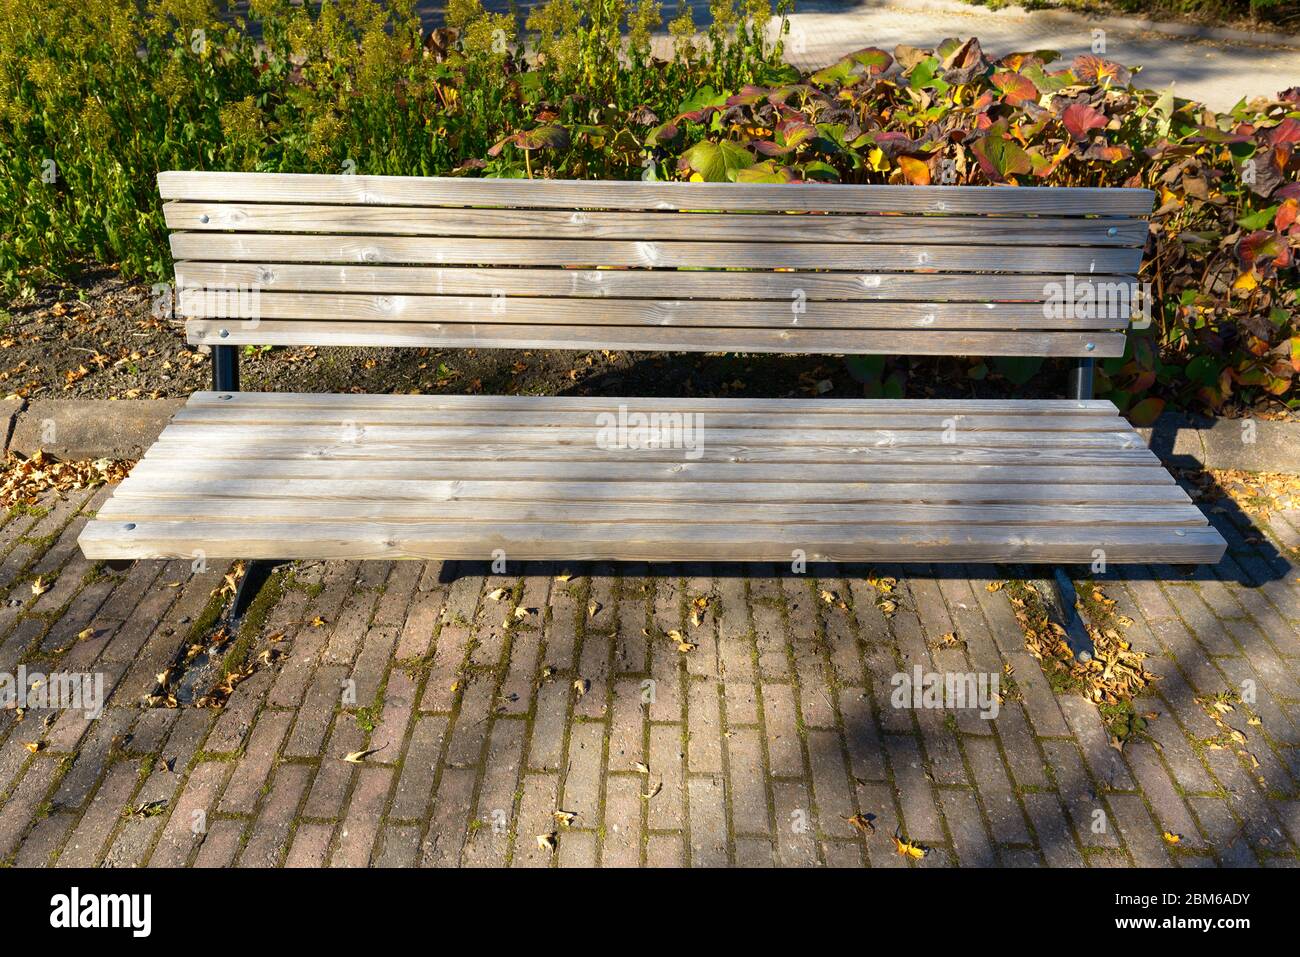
559 404
641 284
273 468
166 483
597 542
705 436
309 512
672 339
503 452
239 417
637 195
564 224
651 312
414 250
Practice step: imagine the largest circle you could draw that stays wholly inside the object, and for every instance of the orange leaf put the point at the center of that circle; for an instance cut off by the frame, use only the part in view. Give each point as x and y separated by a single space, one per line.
916 171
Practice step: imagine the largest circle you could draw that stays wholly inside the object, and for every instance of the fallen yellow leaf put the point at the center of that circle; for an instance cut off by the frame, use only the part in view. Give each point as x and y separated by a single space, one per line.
908 849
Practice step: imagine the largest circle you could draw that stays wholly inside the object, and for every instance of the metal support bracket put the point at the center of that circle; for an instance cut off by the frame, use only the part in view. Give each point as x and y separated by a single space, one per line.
1062 604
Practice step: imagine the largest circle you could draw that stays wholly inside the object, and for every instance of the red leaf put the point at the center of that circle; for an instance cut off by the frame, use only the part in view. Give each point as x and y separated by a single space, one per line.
1079 119
1015 89
1286 215
1288 131
1093 69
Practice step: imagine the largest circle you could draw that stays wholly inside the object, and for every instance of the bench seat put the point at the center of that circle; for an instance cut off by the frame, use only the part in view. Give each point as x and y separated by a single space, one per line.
318 476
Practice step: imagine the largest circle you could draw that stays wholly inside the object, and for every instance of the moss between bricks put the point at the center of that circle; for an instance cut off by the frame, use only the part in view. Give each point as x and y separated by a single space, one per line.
272 591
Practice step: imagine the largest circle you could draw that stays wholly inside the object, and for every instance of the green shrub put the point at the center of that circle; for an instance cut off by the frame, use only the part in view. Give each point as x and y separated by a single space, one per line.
97 96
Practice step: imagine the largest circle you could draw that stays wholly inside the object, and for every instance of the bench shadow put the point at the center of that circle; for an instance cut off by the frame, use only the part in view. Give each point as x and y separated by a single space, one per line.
1187 677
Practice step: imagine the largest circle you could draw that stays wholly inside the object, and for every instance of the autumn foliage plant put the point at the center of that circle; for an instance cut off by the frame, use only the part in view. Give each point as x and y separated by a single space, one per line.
97 96
1221 258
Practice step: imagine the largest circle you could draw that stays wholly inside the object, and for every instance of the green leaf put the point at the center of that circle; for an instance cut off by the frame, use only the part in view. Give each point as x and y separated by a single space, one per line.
1017 369
834 134
868 62
717 162
1203 370
701 98
764 172
1000 156
1259 219
924 76
1047 82
865 368
822 172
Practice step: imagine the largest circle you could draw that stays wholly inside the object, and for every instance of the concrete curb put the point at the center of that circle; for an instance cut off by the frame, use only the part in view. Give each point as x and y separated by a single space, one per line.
73 429
9 409
1254 445
1172 28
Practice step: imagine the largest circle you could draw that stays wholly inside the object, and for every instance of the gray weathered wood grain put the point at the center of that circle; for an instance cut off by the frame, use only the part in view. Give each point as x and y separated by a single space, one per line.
579 224
604 194
454 251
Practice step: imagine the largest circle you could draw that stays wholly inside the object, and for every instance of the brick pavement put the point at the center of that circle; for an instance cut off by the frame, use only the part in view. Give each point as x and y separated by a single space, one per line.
754 748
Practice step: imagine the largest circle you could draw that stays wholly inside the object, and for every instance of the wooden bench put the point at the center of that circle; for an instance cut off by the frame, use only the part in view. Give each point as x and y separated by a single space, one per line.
513 264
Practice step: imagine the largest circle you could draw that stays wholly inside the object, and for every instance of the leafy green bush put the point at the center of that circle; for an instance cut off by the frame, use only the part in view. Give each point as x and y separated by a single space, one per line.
97 96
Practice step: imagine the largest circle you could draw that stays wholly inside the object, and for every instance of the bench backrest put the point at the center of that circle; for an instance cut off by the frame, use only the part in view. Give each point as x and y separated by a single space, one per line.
812 268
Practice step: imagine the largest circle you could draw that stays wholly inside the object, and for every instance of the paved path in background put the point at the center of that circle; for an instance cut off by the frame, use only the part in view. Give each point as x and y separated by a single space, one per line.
760 742
1215 72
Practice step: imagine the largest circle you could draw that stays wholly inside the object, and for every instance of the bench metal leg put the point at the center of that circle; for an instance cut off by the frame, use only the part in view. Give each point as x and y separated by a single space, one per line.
256 572
1060 597
225 368
225 378
1081 379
